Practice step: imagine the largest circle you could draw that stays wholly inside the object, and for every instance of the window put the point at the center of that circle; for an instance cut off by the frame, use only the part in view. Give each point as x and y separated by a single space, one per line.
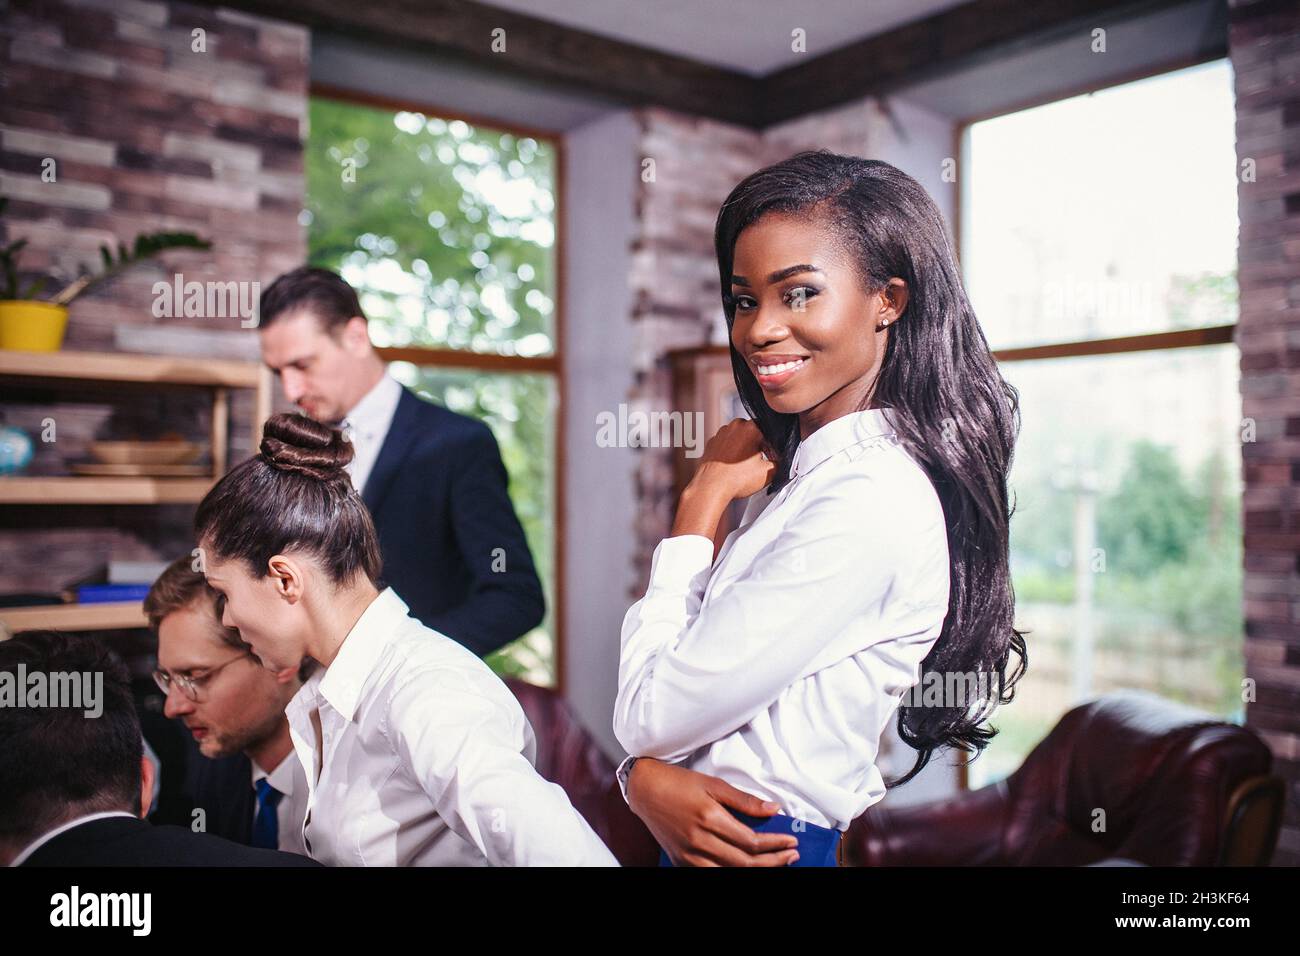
1099 244
447 229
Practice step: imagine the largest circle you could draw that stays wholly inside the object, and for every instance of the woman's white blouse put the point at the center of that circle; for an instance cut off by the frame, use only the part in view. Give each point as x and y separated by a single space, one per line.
427 758
779 667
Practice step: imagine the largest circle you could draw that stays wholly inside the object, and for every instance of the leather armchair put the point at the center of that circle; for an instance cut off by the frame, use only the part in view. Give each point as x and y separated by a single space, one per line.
1174 787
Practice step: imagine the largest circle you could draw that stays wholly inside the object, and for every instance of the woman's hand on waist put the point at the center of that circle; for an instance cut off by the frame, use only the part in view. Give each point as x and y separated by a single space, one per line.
687 814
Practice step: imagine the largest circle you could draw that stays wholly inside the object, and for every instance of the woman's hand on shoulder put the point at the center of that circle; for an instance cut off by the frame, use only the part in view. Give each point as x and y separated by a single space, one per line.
736 462
687 814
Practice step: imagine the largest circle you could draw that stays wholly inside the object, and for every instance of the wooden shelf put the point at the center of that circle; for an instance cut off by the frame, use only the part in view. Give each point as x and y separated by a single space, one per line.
129 367
25 490
218 376
74 617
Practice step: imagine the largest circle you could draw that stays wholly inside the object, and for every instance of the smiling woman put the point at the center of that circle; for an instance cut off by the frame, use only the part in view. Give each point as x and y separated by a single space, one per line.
826 366
874 545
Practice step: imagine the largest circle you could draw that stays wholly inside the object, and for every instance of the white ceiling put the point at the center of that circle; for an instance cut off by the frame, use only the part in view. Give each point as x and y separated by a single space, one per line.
750 36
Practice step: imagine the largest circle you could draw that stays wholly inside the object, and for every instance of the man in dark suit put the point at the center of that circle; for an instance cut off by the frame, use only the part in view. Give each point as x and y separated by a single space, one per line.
74 781
433 479
123 840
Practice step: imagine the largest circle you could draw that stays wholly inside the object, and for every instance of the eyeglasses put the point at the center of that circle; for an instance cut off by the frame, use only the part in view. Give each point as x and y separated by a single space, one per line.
190 686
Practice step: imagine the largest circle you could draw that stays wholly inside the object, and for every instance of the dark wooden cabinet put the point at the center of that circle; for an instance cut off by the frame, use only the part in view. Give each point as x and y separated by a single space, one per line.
703 382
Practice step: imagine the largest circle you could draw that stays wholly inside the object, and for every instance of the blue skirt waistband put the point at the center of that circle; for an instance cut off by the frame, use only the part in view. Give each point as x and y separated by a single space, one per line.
818 845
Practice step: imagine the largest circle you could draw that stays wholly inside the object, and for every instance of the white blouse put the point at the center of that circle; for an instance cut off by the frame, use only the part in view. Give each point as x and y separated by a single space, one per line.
425 758
779 667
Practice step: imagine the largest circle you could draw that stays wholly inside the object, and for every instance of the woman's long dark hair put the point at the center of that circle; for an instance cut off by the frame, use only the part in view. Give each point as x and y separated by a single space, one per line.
955 413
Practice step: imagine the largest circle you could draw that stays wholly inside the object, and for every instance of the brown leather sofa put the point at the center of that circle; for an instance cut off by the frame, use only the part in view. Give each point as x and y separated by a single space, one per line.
1173 786
1178 787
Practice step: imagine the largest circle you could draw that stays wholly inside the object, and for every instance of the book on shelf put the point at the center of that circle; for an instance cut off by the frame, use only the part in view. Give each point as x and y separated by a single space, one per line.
105 593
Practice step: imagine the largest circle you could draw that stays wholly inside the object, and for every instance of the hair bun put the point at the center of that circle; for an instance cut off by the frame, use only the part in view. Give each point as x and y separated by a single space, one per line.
298 444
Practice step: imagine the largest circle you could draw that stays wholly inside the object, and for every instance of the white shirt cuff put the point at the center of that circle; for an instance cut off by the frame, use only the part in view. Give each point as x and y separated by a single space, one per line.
678 562
621 775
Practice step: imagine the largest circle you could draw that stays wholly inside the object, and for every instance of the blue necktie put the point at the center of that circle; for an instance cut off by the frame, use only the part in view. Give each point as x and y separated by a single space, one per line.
266 825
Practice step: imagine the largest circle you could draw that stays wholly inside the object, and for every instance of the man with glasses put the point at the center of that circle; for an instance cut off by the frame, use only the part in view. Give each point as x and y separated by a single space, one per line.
245 778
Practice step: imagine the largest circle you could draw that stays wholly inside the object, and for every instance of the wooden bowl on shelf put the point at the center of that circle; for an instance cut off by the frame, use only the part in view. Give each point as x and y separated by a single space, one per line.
145 452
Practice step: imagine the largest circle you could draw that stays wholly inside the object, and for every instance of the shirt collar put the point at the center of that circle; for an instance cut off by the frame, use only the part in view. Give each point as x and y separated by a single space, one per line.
281 778
844 432
64 828
375 410
343 680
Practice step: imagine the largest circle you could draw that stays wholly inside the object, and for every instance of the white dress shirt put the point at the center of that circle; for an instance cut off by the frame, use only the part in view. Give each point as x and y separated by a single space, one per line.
427 758
291 780
366 426
779 667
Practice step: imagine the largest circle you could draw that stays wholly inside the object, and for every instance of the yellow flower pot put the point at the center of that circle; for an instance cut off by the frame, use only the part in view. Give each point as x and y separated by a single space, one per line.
32 326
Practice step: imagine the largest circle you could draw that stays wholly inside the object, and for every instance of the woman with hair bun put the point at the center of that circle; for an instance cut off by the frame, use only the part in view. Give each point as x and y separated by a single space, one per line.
416 753
873 552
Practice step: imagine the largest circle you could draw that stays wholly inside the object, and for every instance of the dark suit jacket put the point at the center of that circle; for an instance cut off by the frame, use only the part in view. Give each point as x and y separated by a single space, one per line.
126 841
223 789
437 494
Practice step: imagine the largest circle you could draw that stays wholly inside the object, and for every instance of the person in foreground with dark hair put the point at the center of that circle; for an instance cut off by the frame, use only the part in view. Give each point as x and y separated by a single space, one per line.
416 753
74 788
241 769
432 478
874 545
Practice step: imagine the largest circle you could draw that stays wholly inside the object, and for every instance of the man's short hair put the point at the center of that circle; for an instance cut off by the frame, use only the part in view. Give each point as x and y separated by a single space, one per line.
180 586
320 291
56 763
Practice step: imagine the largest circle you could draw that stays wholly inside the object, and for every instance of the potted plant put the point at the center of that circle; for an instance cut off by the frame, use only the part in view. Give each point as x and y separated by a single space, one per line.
33 325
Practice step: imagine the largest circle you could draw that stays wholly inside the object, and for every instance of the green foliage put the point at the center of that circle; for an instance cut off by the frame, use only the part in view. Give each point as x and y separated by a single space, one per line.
145 246
1036 585
11 289
517 409
9 260
1152 519
446 230
150 244
446 227
1171 589
1172 543
1205 299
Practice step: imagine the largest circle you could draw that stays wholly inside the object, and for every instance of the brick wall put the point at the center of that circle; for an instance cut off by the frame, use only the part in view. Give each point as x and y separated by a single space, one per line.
158 116
674 280
1264 46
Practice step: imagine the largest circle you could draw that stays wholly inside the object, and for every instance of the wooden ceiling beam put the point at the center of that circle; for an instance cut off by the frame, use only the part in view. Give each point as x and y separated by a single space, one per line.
534 48
963 36
538 49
